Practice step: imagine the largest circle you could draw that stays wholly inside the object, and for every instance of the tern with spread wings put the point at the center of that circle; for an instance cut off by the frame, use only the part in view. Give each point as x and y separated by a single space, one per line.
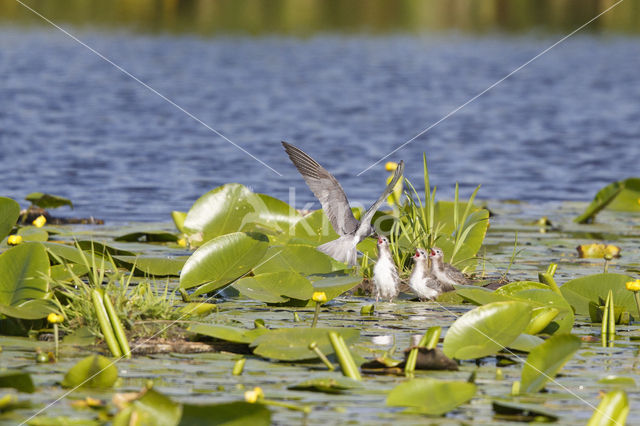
336 205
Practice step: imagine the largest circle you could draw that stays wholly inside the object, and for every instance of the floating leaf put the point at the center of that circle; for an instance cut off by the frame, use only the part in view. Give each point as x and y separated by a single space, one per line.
292 344
150 408
48 201
228 333
178 219
295 258
9 212
223 260
540 318
515 287
24 268
333 385
34 234
315 228
30 309
587 293
612 410
275 287
431 396
334 285
148 237
523 411
546 360
227 414
525 342
618 381
18 380
155 265
94 371
486 329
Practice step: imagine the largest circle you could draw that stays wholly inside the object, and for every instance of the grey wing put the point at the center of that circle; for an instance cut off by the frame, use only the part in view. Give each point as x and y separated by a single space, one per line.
326 188
366 218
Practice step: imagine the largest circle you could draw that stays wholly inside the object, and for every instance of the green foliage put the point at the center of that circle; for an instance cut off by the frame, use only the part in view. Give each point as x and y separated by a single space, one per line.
620 196
48 201
94 371
587 294
16 379
9 212
612 410
292 344
546 360
431 396
275 287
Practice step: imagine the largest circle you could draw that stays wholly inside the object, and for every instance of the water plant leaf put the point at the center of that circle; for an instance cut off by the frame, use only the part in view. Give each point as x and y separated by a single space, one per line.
48 201
197 309
618 381
220 211
486 329
228 333
30 309
18 380
32 233
612 410
222 260
94 371
587 293
314 228
275 214
524 411
102 249
23 271
515 287
431 396
334 285
482 296
546 360
525 342
9 212
292 344
227 414
178 219
149 408
275 287
541 317
627 199
148 237
155 265
304 259
333 384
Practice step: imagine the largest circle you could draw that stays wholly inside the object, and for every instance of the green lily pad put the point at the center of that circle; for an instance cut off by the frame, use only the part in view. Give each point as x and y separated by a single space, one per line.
600 201
486 329
482 296
222 260
150 408
178 219
334 285
515 287
546 360
30 309
48 201
228 333
315 228
68 271
524 411
431 396
32 233
587 293
24 268
620 196
148 237
9 212
275 287
154 265
292 344
18 380
525 342
333 385
227 414
94 371
197 309
295 258
618 381
102 249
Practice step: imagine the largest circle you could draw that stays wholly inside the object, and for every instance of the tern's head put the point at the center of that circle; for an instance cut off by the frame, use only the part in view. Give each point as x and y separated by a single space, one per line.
419 255
435 253
382 241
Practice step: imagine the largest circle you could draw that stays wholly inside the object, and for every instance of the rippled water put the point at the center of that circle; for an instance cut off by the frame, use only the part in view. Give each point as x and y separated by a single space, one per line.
73 125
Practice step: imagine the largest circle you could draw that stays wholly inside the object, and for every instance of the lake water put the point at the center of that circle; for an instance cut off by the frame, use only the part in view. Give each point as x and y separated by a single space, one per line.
73 125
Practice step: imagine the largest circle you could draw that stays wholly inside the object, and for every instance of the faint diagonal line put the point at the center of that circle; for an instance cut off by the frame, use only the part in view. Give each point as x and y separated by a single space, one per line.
64 395
136 79
455 110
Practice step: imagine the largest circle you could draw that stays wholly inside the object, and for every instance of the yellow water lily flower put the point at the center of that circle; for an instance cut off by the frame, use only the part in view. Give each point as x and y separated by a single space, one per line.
391 166
598 251
14 240
319 297
633 285
54 318
39 221
254 395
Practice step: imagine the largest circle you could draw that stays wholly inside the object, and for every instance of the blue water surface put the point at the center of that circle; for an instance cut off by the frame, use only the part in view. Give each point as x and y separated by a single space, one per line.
74 125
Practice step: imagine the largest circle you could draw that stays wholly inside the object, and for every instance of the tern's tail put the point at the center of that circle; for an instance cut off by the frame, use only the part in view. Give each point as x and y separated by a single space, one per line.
343 249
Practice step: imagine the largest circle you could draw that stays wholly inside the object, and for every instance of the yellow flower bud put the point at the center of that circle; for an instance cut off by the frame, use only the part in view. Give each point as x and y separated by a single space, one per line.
254 395
319 296
54 318
633 285
39 221
390 166
14 240
182 242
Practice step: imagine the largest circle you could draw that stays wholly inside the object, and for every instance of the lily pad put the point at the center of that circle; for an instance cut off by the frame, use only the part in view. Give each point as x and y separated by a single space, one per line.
600 201
304 259
546 360
150 408
24 268
618 381
32 233
48 201
486 329
222 260
612 410
524 411
228 333
9 212
334 285
431 396
333 385
227 414
30 309
587 293
525 342
275 287
94 371
314 228
154 265
292 344
148 237
18 380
